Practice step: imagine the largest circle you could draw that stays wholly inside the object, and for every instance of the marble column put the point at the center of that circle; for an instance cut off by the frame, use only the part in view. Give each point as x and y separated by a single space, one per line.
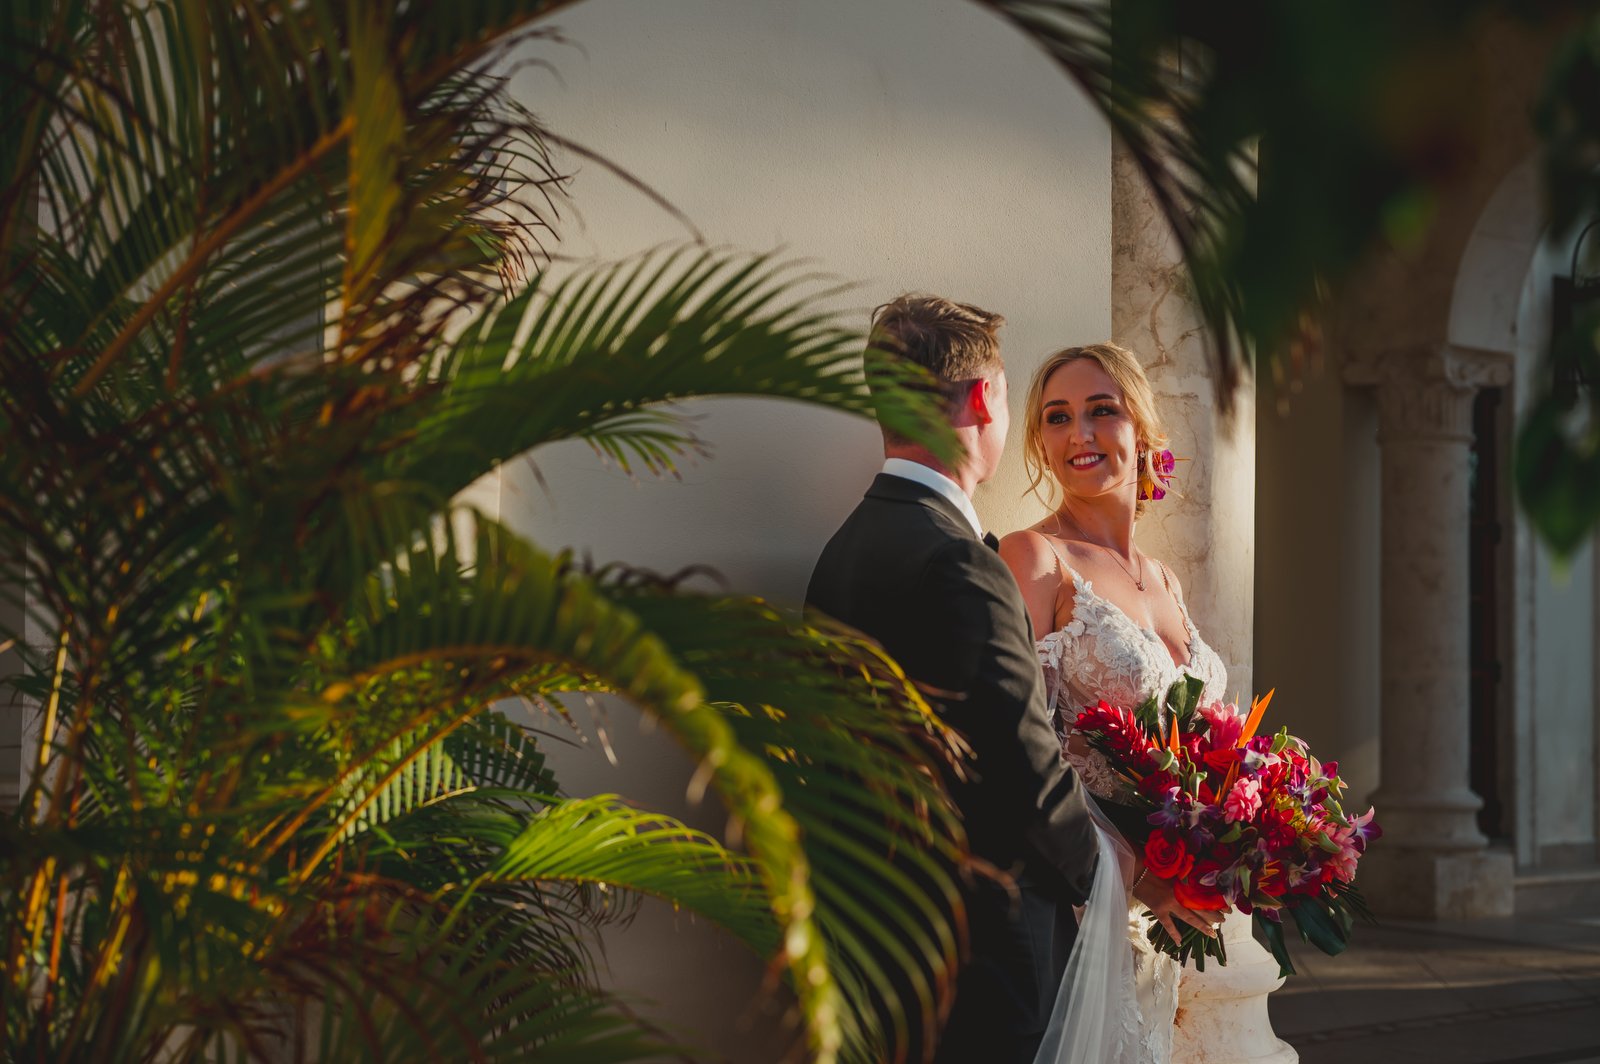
1206 532
1433 862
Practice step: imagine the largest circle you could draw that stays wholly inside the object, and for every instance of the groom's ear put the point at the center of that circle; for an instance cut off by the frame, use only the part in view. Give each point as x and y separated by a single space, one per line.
981 396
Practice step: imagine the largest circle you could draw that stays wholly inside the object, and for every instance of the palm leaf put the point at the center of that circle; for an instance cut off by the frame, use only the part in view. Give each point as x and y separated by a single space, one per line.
235 243
851 749
591 356
600 841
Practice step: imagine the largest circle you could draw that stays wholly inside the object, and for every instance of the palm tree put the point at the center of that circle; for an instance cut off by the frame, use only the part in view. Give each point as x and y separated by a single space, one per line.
274 296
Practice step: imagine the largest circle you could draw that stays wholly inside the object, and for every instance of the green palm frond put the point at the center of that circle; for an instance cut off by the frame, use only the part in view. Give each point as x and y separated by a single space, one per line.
415 771
518 613
482 598
593 356
238 245
403 989
850 748
600 841
494 751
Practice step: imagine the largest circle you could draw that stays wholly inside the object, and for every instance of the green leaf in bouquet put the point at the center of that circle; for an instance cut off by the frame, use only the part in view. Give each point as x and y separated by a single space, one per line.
1193 945
1352 902
1272 931
1166 760
1280 740
1320 926
1232 834
1322 840
1244 880
1343 919
1183 698
1149 715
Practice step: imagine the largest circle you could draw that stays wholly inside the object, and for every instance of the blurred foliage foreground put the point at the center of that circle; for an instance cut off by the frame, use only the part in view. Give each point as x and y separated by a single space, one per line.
275 811
273 298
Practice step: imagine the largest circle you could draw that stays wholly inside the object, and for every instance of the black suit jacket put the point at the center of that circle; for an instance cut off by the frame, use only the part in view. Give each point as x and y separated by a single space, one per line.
906 569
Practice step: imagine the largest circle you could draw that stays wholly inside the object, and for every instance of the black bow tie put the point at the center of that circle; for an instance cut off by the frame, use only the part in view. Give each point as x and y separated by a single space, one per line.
991 541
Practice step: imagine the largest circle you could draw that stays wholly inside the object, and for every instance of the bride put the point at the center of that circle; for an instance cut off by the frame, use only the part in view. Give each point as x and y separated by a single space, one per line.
1116 628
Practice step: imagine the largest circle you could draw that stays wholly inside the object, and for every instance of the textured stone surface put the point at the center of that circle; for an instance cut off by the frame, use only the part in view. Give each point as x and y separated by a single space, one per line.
1432 862
1493 991
1222 1012
1418 883
1206 532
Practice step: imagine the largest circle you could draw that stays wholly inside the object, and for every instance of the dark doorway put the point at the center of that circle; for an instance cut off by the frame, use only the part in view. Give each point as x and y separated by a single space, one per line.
1487 536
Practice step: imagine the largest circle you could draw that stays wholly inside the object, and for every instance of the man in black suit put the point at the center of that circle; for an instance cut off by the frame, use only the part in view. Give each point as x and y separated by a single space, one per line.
912 568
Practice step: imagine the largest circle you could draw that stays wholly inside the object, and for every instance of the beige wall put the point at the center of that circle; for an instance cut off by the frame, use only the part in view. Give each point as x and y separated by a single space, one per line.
901 144
1316 631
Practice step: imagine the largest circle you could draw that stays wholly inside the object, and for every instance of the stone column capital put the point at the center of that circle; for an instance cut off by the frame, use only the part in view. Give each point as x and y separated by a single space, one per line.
1426 392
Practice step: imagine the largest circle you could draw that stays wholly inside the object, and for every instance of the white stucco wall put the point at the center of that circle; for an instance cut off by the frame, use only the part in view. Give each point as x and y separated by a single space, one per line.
902 144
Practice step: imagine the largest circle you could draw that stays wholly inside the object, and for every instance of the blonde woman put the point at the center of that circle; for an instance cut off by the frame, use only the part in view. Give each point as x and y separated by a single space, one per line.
1113 625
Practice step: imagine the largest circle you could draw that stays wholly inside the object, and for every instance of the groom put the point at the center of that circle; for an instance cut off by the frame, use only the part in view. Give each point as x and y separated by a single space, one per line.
912 568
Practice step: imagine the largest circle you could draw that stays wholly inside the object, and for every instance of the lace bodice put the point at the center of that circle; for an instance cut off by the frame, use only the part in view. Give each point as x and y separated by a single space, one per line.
1102 653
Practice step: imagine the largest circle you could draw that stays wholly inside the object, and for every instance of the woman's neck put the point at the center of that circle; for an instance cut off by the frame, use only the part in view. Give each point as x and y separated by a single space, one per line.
1106 520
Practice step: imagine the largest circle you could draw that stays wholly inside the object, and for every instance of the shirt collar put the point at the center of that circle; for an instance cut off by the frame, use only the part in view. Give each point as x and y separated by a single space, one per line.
934 480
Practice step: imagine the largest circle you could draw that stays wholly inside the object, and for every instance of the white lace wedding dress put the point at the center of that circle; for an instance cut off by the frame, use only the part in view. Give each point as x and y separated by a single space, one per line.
1117 1001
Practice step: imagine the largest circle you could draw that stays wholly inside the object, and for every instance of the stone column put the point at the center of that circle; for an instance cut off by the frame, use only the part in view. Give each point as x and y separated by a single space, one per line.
1207 534
1433 862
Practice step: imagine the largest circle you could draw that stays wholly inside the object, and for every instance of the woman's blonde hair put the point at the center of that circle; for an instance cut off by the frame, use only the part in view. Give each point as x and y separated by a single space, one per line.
1122 366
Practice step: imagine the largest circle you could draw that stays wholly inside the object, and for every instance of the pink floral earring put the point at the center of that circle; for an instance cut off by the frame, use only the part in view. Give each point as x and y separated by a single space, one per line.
1155 474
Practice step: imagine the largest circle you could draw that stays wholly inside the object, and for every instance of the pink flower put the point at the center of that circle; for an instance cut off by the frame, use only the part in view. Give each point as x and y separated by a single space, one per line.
1244 800
1343 863
1226 725
1351 838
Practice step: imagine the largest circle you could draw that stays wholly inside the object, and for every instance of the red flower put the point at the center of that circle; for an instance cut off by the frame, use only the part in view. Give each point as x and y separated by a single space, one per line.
1198 896
1271 880
1277 828
1156 785
1117 727
1192 744
1167 856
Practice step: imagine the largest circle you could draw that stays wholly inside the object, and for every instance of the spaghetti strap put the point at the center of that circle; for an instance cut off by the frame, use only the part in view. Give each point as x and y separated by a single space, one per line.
1062 565
1183 607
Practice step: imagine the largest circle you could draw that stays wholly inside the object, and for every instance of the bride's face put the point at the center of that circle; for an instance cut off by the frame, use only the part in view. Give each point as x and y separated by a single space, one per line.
1089 437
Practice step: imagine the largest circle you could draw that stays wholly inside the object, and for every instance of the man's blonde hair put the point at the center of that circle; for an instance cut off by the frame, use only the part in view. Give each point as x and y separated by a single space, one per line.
1123 367
955 342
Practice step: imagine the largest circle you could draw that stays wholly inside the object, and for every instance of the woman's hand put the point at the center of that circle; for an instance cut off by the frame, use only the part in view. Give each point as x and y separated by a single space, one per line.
1157 896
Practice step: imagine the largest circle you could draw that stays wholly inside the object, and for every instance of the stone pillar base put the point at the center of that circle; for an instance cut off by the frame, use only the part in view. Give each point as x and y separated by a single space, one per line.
1222 1011
1418 884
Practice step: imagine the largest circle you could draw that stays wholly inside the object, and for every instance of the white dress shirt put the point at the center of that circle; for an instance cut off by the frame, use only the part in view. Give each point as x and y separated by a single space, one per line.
932 478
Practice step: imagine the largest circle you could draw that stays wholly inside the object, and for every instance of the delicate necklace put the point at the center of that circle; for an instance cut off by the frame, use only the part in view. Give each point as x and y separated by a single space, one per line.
1138 581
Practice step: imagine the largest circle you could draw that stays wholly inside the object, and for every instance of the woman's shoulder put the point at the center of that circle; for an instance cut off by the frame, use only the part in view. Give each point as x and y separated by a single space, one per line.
1032 551
1035 548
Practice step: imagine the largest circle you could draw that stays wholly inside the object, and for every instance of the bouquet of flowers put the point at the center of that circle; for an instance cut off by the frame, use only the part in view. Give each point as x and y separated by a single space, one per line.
1237 819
